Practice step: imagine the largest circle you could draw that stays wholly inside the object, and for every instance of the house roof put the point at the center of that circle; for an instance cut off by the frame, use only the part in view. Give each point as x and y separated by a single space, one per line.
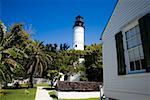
109 19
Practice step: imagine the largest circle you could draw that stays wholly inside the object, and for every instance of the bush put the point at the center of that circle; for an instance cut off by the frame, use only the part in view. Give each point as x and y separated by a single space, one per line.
2 92
53 95
78 86
17 85
83 78
24 85
26 91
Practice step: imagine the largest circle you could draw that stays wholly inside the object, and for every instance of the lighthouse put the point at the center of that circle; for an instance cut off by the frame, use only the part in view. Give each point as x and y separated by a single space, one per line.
78 30
78 43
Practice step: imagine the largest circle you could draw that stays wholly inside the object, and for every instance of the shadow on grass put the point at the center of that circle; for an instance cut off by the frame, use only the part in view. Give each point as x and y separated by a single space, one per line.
17 88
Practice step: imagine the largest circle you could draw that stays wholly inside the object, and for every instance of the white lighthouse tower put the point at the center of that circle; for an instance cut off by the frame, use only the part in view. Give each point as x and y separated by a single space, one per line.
78 28
78 43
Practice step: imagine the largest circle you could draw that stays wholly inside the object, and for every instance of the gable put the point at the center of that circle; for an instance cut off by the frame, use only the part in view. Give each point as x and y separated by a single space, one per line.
124 13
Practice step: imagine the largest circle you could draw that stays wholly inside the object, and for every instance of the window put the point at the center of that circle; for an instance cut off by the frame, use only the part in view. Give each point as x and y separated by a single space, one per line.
135 49
75 45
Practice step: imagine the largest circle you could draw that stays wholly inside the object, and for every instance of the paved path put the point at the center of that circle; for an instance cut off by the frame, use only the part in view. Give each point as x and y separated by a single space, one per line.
42 94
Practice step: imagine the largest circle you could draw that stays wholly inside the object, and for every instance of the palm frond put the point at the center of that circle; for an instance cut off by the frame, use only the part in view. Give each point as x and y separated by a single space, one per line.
10 62
4 72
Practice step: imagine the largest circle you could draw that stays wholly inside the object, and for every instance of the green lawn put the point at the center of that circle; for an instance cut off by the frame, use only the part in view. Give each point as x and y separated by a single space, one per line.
19 94
35 85
83 99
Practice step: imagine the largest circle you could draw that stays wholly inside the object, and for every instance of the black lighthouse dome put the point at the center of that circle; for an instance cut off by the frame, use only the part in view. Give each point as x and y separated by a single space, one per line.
79 21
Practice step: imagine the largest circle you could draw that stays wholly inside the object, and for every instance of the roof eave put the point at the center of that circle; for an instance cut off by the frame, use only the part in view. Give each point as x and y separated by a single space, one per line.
109 19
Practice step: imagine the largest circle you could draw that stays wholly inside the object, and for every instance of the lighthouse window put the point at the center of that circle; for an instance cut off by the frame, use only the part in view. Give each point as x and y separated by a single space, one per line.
75 45
80 24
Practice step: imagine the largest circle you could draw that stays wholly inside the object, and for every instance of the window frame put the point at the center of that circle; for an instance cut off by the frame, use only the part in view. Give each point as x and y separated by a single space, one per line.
127 61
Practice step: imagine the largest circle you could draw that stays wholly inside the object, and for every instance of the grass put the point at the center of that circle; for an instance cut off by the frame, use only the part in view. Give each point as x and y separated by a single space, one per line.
83 99
18 94
35 85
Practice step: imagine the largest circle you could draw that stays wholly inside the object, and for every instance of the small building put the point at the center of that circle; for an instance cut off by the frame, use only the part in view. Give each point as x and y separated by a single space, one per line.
126 51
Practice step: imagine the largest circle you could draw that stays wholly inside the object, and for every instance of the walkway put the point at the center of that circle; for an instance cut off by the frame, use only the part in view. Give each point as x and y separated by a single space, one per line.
42 94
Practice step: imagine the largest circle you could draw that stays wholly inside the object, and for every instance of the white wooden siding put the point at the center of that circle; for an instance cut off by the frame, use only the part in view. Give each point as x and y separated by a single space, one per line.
127 87
125 12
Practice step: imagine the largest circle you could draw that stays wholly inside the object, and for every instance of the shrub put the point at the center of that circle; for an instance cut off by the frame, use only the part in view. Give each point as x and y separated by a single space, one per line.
83 78
78 86
24 85
2 92
53 95
17 85
26 91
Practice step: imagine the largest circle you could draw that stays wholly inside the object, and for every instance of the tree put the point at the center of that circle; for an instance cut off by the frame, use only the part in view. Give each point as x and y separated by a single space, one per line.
8 55
53 76
51 47
20 39
68 60
64 60
64 47
93 62
38 61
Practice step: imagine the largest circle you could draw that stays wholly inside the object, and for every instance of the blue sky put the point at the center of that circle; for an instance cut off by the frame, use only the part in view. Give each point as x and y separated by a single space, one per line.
52 20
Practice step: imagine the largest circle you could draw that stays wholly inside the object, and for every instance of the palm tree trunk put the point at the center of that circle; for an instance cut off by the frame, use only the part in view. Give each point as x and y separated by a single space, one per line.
31 77
31 81
0 85
52 84
5 84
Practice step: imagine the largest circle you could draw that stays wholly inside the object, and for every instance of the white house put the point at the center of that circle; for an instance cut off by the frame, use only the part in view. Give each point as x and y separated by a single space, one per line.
126 51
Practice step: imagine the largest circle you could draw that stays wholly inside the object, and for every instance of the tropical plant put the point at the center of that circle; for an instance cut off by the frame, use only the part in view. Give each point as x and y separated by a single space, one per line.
8 55
38 61
93 62
51 47
64 47
53 76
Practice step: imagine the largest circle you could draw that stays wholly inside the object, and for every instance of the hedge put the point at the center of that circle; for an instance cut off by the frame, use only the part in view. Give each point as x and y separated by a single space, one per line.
78 86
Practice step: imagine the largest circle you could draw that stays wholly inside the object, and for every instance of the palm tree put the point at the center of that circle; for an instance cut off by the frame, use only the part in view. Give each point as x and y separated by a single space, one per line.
55 47
38 61
51 47
8 55
64 47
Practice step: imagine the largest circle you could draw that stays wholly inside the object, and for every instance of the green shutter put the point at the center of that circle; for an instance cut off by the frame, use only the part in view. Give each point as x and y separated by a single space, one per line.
144 24
120 54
